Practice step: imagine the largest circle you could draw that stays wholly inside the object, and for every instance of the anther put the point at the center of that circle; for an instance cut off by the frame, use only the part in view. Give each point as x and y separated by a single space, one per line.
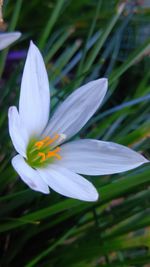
42 155
46 141
53 153
39 144
52 140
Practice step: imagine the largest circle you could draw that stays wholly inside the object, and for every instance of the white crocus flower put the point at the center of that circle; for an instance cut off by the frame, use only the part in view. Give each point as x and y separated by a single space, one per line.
43 160
8 38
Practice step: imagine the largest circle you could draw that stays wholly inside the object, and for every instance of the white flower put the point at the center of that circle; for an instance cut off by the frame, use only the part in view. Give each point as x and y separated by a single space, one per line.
8 38
43 160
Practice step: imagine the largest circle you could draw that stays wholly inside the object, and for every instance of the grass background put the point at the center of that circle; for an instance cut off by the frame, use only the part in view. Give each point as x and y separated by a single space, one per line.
81 41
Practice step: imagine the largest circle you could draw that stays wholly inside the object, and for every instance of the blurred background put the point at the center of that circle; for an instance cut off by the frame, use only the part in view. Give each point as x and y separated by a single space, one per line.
81 40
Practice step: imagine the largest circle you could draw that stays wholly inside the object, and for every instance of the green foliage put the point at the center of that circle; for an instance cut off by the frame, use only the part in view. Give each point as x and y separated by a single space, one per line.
80 41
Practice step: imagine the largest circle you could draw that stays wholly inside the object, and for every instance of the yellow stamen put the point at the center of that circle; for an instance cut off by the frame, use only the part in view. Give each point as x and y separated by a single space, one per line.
52 140
39 144
50 154
42 155
53 153
46 141
44 151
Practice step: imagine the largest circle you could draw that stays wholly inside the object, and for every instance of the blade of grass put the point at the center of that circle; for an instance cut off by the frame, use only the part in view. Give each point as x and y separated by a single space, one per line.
94 52
51 22
107 193
137 55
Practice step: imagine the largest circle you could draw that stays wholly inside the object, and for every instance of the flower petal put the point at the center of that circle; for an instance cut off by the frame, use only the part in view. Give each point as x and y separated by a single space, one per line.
16 131
77 109
30 176
8 38
68 183
92 157
34 97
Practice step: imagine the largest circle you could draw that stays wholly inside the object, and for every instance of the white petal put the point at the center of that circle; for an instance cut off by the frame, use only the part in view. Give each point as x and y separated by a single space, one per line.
34 96
92 157
8 38
68 183
16 131
77 109
30 176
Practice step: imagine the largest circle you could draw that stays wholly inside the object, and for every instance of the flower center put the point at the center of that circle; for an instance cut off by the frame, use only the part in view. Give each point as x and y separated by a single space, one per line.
40 153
